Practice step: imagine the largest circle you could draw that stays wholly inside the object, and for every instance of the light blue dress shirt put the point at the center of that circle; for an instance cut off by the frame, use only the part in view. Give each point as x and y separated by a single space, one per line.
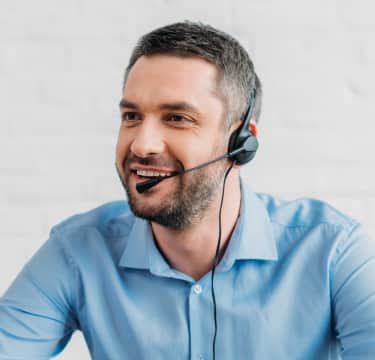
297 281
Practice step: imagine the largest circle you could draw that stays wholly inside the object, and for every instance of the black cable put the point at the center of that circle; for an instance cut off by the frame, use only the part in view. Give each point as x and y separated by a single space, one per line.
216 260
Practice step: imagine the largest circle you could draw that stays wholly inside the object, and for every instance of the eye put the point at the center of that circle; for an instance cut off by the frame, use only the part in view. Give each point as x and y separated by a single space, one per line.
177 118
130 116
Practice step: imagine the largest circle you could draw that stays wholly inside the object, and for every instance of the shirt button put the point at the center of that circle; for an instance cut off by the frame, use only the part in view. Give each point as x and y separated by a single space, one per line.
201 357
197 289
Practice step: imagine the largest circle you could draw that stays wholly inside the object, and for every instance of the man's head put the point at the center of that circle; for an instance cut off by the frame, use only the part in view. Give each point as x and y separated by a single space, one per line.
235 68
173 106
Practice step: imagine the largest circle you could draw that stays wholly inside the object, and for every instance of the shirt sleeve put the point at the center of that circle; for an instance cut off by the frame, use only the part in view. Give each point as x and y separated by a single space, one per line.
354 295
37 311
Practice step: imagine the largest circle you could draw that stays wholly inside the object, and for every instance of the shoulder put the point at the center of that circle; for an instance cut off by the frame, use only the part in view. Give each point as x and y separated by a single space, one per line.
313 229
109 221
305 213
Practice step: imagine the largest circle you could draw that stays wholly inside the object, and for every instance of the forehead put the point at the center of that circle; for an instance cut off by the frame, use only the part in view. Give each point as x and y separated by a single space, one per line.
171 78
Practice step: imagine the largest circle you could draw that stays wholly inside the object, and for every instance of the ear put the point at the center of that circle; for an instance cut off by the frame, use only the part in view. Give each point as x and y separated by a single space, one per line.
253 127
235 125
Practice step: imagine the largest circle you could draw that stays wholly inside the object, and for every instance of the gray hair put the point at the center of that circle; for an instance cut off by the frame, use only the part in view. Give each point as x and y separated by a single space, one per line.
193 39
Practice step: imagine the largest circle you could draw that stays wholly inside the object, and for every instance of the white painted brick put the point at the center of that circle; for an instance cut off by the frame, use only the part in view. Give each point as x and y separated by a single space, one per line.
104 188
15 251
218 13
354 206
361 80
45 189
61 211
357 14
285 14
343 180
78 19
308 180
371 214
42 155
84 156
19 219
368 48
291 147
280 179
327 87
77 349
52 191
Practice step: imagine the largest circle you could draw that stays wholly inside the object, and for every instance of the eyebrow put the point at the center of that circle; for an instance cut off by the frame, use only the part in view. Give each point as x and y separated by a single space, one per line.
175 106
127 104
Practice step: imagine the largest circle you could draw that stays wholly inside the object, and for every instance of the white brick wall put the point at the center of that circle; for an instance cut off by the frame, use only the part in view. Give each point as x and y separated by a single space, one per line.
61 68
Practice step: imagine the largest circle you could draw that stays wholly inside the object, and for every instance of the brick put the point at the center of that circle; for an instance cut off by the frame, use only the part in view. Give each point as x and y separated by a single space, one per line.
29 190
15 251
281 180
20 220
77 349
354 206
357 14
371 216
327 87
59 211
74 19
342 180
276 14
104 188
369 48
57 155
292 147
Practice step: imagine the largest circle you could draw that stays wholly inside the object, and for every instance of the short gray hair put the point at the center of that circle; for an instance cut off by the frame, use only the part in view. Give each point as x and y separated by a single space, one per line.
194 39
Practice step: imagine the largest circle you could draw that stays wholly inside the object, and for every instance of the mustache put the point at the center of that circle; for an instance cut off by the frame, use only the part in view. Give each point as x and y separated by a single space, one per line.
155 160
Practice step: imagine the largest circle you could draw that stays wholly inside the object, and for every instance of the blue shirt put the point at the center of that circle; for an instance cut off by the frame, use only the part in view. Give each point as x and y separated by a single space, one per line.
297 281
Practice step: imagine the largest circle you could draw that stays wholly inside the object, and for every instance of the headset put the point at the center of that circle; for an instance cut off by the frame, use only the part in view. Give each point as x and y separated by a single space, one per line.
245 136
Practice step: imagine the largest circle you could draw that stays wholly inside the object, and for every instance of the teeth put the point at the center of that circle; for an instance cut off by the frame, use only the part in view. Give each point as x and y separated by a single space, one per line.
152 173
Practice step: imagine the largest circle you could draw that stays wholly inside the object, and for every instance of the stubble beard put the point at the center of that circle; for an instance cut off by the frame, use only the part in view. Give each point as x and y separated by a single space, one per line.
190 198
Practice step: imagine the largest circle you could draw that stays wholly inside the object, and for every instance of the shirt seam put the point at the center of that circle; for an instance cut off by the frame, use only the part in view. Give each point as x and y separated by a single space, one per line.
346 226
75 274
336 251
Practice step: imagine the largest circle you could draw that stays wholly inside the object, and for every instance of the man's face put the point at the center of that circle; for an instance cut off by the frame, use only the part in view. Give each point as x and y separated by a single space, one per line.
172 120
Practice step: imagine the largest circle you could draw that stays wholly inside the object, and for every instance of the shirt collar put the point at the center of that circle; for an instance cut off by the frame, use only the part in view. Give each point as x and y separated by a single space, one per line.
136 253
252 238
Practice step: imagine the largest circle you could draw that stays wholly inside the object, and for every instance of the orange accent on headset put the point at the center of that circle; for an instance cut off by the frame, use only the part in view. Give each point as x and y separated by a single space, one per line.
253 128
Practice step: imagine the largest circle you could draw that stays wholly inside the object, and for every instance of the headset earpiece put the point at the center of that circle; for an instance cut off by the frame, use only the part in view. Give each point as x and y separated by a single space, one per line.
245 136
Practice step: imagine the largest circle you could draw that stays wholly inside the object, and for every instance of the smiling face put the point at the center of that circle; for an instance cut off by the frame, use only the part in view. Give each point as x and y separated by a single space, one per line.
172 120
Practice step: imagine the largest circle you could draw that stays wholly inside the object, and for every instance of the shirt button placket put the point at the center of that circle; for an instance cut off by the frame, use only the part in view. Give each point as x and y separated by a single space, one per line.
197 289
196 313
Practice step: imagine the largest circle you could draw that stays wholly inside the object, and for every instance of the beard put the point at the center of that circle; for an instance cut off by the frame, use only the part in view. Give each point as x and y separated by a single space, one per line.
188 200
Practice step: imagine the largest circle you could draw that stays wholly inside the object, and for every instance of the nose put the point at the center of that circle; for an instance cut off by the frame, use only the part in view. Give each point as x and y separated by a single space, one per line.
148 139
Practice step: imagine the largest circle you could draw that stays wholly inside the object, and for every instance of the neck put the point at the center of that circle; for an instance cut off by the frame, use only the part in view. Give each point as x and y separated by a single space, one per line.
192 250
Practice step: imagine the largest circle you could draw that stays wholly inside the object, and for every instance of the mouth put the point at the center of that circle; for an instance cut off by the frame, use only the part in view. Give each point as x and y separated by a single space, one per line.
138 173
144 175
150 174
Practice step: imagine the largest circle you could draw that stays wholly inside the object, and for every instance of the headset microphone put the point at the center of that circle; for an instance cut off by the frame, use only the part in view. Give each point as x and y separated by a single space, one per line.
146 185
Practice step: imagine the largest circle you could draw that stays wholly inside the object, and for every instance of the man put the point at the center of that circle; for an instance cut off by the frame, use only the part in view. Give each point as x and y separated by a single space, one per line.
197 266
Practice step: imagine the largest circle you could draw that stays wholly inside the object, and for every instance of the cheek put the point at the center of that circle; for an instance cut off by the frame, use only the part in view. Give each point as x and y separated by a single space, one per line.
122 147
190 152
